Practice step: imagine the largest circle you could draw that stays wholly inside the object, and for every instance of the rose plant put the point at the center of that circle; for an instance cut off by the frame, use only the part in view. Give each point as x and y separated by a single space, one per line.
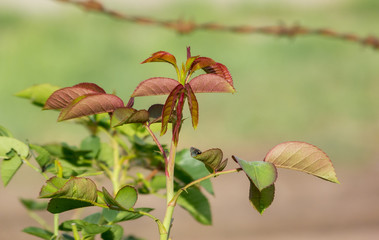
122 138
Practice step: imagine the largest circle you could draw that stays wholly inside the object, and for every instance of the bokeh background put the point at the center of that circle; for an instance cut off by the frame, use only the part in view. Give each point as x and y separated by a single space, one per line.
315 89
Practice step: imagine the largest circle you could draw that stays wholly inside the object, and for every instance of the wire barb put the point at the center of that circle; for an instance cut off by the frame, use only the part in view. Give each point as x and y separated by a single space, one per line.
187 27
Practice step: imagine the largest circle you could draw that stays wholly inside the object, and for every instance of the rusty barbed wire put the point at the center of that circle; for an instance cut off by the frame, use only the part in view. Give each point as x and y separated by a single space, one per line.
186 27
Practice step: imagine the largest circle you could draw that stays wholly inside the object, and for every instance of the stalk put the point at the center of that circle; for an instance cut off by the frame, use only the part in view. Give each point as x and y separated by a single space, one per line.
175 198
56 225
170 188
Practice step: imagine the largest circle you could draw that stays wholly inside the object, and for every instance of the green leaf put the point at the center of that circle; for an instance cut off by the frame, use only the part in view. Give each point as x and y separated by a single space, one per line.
9 167
38 94
91 229
127 196
43 157
155 86
262 174
131 237
5 132
59 205
38 232
9 143
114 233
33 205
67 225
67 237
261 199
212 158
194 168
75 193
94 218
113 216
303 157
52 186
91 144
197 205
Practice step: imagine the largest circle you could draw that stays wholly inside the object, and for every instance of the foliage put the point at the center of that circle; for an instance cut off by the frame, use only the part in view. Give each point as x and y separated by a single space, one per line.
121 138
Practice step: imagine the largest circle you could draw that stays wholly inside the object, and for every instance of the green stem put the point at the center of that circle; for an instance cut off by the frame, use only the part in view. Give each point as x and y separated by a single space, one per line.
75 231
170 188
175 198
170 172
56 225
116 166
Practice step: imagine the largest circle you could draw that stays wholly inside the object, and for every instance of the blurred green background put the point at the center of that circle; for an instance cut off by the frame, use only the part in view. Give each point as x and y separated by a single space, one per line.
315 89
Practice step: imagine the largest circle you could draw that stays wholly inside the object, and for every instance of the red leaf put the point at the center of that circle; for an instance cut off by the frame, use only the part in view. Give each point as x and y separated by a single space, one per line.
127 115
179 116
155 86
91 104
201 62
169 106
64 96
207 83
189 52
161 56
193 105
130 103
220 70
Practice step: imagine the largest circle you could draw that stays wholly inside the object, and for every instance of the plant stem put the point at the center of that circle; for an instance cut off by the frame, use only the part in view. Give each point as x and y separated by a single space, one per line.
170 188
56 225
116 167
175 198
170 172
147 126
75 231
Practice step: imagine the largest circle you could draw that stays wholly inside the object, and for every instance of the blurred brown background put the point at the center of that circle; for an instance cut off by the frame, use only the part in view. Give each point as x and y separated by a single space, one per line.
313 89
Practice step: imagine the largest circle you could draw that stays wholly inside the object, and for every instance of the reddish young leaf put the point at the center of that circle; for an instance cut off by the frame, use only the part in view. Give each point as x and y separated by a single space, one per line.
220 70
64 96
169 106
179 116
207 83
91 104
127 115
130 103
161 56
189 52
155 86
193 105
155 113
303 157
201 62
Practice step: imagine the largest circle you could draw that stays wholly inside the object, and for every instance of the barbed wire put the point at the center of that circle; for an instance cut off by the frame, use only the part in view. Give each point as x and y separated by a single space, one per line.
186 27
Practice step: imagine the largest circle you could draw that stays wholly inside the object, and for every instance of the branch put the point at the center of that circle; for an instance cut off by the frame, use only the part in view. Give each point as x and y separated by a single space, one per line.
186 27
